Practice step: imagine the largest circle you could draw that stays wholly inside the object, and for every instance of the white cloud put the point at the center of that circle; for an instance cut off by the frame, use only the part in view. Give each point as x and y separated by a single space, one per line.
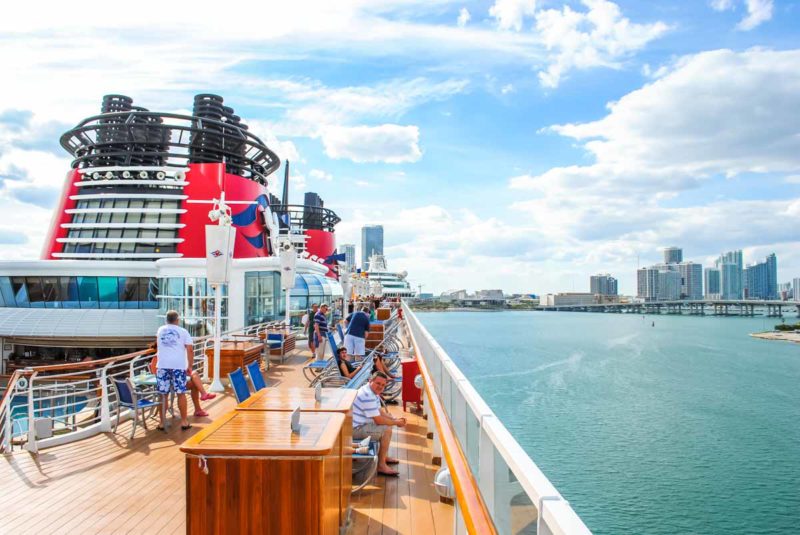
463 17
389 143
506 89
319 174
510 14
721 5
599 37
718 112
792 179
758 11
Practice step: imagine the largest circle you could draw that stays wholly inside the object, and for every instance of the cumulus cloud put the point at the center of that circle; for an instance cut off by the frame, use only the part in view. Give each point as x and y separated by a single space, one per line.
758 11
510 14
718 112
12 237
389 143
598 37
463 17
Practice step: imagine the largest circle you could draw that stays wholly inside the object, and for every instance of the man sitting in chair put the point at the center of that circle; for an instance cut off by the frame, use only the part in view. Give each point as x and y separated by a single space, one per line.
370 419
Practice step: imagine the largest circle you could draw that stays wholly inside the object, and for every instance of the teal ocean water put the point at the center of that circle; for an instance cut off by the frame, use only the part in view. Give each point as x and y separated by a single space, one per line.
688 426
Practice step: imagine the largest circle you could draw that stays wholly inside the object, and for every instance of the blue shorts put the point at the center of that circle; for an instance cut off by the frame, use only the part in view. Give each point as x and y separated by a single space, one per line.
171 381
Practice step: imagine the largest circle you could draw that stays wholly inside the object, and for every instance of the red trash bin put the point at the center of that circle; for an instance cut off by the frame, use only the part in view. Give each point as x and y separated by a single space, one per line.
411 394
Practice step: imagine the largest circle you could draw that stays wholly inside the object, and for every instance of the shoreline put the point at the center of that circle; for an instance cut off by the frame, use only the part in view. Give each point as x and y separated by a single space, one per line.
783 336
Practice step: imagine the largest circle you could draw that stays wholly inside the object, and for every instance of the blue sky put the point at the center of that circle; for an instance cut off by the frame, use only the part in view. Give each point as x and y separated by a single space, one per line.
512 144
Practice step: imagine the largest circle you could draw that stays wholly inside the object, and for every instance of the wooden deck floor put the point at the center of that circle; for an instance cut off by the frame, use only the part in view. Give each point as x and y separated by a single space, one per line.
109 484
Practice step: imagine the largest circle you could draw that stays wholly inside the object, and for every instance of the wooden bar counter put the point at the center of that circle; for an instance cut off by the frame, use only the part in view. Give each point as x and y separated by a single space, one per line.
338 400
261 477
234 354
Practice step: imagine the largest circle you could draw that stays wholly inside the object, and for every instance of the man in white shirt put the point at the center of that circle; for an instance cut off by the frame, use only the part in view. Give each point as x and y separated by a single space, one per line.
175 358
372 420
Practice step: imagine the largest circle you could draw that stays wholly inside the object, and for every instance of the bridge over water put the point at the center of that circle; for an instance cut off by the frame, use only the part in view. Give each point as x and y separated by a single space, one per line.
774 309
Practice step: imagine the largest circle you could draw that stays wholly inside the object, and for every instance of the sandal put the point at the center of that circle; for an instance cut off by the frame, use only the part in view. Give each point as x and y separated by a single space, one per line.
162 428
200 414
185 427
389 474
393 461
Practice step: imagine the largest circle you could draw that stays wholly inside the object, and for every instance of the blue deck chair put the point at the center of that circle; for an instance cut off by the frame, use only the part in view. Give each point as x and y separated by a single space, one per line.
332 342
256 379
340 331
128 397
239 384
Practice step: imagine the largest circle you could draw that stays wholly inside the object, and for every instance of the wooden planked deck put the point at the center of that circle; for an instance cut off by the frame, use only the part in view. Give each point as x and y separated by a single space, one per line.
109 484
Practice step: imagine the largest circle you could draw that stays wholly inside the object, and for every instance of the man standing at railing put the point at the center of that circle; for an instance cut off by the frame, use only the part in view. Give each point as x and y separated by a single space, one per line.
372 420
355 336
175 359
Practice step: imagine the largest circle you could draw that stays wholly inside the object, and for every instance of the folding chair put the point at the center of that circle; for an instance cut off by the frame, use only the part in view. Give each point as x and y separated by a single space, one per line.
256 378
128 398
239 384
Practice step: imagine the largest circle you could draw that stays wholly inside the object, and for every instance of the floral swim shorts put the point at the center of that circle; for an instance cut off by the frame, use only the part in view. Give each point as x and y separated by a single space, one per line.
171 381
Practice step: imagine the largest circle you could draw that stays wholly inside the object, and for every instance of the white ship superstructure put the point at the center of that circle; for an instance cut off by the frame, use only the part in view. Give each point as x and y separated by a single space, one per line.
393 284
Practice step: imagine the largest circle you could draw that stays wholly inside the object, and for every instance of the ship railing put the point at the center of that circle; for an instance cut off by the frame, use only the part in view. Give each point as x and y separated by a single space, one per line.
45 406
492 475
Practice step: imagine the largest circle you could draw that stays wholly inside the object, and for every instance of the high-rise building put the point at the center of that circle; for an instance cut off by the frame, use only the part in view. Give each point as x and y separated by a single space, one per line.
669 285
732 280
796 288
712 284
371 243
349 251
762 279
691 280
673 255
603 284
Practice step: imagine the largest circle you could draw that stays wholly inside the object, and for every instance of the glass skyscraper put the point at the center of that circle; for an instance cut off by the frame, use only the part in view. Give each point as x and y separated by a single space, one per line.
371 243
762 279
349 251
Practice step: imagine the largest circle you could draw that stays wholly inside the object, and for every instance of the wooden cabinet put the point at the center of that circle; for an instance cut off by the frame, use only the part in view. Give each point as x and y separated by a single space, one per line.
248 473
234 354
339 400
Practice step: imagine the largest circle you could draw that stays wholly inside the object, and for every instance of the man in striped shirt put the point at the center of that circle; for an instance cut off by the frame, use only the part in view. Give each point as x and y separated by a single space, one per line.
370 419
321 331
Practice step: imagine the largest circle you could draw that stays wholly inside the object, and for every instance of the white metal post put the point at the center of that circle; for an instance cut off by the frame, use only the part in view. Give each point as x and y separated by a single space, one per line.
288 318
216 385
31 446
105 412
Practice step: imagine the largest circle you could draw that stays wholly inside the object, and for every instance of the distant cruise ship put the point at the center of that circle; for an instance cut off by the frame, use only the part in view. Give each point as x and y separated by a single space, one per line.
393 284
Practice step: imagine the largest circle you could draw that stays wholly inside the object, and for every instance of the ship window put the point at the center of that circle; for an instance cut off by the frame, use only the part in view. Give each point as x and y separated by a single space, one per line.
83 248
152 204
169 218
137 203
115 233
35 293
148 233
148 289
20 291
78 218
87 233
69 248
107 289
165 248
93 204
174 287
166 233
128 292
112 248
145 248
130 233
100 233
68 292
98 218
7 292
150 218
87 290
118 217
134 217
51 291
127 247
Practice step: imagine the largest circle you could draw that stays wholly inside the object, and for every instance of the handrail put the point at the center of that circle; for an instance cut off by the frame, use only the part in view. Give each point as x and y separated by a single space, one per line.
476 514
503 468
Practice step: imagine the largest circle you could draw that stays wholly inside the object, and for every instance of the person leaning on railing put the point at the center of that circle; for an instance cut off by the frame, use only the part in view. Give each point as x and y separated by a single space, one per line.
371 419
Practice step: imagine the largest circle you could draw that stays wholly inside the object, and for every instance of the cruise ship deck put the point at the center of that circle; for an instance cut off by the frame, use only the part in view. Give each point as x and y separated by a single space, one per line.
110 484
